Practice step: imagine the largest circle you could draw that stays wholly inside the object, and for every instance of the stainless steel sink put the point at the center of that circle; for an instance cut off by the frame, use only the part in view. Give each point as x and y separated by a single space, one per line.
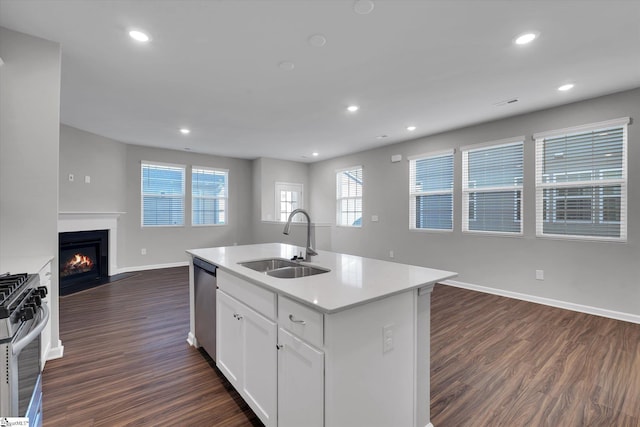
297 271
263 265
283 268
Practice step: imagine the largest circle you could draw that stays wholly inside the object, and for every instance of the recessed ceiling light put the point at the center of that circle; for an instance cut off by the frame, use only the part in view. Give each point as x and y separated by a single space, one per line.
139 36
353 108
287 65
317 40
363 7
185 131
315 154
411 128
566 87
526 38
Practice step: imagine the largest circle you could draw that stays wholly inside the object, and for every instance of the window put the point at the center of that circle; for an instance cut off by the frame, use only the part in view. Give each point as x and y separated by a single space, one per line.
431 192
349 195
492 187
581 181
209 194
162 188
288 199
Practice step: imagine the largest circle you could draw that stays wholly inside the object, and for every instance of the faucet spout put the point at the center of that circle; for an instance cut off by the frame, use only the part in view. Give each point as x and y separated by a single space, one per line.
309 251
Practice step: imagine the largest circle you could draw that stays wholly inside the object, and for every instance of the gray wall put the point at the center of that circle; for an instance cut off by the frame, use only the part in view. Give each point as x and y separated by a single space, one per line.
598 274
266 172
104 160
29 144
114 168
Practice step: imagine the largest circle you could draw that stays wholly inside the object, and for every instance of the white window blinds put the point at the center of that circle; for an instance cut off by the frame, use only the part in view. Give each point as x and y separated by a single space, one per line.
581 181
492 187
431 191
209 195
162 188
349 197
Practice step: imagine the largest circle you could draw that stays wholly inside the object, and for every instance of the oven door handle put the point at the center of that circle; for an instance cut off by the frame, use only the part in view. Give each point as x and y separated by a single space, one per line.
26 340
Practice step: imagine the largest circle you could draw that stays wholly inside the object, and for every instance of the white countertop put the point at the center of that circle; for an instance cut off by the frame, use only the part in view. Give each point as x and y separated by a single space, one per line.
23 264
352 281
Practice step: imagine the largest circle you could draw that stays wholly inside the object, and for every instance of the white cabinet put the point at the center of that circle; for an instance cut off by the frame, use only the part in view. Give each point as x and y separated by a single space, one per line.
246 353
300 383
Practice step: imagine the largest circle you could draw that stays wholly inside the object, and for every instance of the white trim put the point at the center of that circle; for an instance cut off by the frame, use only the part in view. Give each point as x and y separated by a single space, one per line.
89 221
209 168
191 340
153 266
583 128
349 168
495 144
154 163
440 153
55 352
617 315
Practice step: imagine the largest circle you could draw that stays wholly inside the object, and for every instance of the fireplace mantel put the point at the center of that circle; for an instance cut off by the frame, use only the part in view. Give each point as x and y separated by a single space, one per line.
87 221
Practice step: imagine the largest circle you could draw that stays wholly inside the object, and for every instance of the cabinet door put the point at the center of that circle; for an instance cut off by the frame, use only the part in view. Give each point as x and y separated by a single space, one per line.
229 350
260 368
300 383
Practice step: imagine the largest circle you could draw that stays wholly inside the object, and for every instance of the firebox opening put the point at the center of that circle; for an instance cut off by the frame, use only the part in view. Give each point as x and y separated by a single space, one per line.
83 260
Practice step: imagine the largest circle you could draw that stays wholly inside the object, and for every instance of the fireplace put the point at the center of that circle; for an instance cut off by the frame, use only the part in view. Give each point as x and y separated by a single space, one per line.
84 260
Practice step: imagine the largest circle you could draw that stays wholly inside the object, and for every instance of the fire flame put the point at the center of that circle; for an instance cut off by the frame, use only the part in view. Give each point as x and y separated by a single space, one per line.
77 264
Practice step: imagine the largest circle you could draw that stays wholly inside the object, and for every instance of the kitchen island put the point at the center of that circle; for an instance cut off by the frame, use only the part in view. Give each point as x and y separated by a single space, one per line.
347 347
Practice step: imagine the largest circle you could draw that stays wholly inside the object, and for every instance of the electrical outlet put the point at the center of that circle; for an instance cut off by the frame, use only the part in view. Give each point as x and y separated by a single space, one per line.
374 218
143 251
539 274
87 179
387 338
71 177
391 254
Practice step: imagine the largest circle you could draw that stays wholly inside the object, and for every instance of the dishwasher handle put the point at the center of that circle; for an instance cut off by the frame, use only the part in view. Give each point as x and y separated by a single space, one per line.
205 266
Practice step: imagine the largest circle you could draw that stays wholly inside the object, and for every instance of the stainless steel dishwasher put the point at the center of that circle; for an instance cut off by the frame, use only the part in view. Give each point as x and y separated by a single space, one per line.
205 285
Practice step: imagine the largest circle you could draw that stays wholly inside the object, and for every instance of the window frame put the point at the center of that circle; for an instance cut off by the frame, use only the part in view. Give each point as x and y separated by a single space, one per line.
596 185
183 168
470 193
291 187
225 198
340 198
413 195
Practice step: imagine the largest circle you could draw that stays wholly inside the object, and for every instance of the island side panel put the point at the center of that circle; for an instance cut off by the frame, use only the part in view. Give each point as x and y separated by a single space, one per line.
191 336
423 357
365 385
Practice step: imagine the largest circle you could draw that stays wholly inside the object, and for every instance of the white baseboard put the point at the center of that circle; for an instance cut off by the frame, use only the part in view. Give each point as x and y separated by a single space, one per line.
191 339
627 317
56 352
152 267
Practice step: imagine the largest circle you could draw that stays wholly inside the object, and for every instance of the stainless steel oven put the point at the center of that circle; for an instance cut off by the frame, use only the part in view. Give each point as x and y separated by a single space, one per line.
23 316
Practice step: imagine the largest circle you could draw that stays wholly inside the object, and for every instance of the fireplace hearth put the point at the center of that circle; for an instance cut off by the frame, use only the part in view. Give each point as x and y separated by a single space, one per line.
84 260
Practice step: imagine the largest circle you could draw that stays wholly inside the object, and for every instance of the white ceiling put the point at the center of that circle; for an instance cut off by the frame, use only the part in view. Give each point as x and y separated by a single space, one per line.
213 66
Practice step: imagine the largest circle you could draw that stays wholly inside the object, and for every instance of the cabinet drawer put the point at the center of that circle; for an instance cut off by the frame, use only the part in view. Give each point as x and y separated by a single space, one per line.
260 299
301 320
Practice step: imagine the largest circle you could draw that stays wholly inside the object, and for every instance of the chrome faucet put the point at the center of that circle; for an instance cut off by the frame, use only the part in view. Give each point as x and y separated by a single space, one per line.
309 251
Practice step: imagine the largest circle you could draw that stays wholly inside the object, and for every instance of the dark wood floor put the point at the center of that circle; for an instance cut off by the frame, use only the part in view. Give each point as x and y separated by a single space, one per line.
127 363
502 362
495 362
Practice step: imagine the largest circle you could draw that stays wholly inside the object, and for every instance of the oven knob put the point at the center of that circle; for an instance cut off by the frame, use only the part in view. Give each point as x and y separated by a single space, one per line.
35 300
42 290
27 313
